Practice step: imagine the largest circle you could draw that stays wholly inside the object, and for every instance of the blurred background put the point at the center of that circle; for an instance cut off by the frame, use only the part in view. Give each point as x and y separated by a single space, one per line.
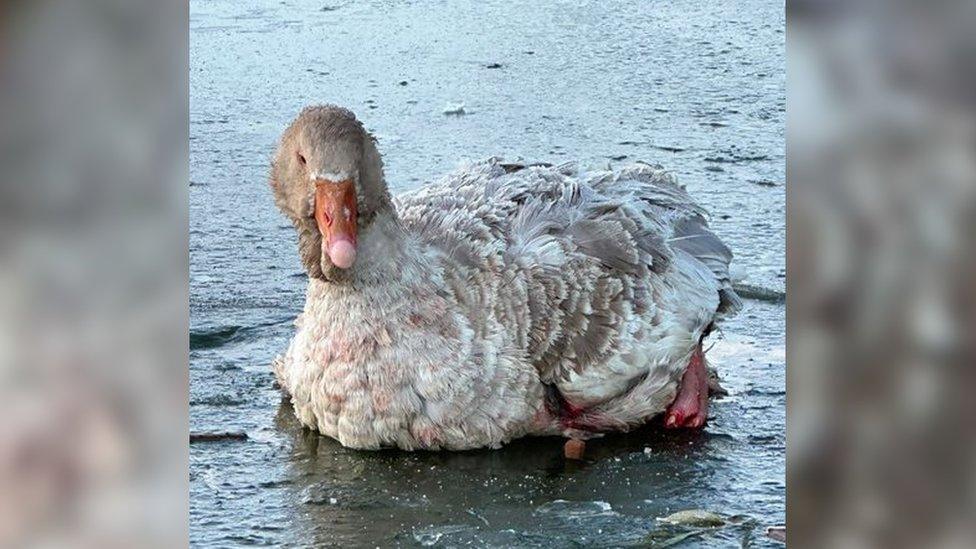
93 273
94 289
881 214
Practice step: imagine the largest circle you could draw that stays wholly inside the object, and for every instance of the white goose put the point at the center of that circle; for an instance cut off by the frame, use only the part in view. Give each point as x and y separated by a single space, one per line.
496 303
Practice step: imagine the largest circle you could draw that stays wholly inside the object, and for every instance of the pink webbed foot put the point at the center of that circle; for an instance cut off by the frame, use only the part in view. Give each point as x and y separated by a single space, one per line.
690 408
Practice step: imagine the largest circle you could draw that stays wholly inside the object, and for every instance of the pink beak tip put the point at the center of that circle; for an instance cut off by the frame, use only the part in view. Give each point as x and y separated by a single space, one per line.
342 253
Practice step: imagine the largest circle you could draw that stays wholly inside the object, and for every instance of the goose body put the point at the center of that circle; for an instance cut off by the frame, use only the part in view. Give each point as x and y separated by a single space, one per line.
496 303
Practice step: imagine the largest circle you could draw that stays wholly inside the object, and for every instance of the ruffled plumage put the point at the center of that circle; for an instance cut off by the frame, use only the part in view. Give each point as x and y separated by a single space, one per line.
501 297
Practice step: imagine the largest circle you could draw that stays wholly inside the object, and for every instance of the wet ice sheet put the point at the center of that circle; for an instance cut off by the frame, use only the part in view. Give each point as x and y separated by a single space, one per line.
698 88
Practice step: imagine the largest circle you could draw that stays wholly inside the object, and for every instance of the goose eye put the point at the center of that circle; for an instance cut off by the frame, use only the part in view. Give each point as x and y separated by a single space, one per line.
301 158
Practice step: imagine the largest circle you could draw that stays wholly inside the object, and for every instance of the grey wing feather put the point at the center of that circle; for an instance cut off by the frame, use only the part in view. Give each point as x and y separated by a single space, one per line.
567 260
689 227
692 236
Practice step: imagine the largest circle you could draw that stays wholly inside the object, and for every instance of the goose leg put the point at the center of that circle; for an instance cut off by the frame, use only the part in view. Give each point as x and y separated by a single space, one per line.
690 407
574 449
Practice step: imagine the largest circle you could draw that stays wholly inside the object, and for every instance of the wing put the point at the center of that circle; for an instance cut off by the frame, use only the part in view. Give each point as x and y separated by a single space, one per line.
576 267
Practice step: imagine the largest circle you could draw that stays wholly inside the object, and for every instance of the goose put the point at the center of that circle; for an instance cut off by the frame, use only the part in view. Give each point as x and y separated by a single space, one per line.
501 301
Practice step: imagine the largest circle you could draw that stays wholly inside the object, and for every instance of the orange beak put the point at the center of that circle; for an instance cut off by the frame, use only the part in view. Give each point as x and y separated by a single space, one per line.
335 214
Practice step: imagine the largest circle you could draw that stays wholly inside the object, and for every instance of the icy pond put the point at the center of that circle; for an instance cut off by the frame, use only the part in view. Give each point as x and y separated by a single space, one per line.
698 87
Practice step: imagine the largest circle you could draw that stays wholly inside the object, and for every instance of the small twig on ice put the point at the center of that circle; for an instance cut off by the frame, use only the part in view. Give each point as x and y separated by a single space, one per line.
216 437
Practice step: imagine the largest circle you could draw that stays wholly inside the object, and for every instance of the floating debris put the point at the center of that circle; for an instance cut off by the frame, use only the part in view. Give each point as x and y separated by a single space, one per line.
765 183
454 109
668 148
695 517
217 400
216 437
736 158
777 533
403 82
698 522
749 291
494 66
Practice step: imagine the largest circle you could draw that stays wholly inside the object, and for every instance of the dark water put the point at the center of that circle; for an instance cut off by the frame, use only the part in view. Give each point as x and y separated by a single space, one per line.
696 86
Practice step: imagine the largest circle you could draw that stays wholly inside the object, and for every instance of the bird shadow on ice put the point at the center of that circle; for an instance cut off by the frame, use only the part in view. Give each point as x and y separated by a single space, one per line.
528 453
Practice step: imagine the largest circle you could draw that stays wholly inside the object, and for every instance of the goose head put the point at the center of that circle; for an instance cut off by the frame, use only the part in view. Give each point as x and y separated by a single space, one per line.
327 178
